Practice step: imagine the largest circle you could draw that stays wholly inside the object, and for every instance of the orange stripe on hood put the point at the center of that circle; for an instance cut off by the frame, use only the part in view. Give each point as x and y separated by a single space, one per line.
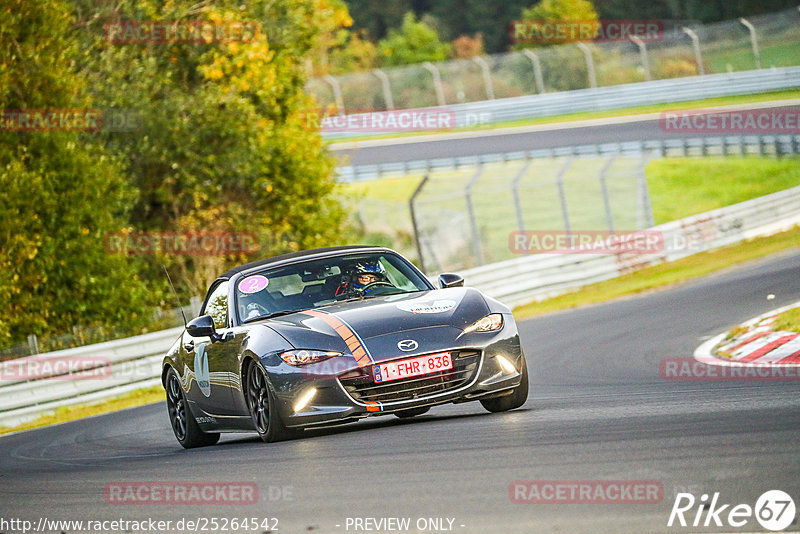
348 335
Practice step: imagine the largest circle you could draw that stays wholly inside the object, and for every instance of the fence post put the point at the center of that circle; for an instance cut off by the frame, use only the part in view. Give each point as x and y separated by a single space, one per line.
437 82
33 344
562 196
645 209
697 54
753 40
387 88
476 235
537 69
515 193
589 64
414 223
487 76
643 54
337 93
604 190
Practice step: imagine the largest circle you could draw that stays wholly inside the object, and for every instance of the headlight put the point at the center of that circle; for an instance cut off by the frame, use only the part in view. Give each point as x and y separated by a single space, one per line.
490 323
304 356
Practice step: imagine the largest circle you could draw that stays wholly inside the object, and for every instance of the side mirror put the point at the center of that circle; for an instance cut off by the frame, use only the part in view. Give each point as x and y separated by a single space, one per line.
202 326
450 280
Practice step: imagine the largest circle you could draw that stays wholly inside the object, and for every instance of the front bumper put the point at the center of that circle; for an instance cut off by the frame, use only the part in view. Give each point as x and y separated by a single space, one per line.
335 399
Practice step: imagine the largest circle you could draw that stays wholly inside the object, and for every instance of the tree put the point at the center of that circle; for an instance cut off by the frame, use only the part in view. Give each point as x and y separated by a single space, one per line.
569 11
468 17
222 145
415 42
466 47
377 18
61 192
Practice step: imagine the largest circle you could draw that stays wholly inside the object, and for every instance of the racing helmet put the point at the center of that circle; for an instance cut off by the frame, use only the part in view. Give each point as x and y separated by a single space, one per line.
367 267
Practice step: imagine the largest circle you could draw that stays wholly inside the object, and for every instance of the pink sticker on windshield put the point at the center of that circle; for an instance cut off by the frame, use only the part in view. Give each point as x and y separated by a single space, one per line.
253 284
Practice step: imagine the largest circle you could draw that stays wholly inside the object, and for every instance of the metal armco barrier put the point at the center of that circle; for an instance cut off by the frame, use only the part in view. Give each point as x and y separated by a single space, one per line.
614 97
774 145
115 367
39 384
540 276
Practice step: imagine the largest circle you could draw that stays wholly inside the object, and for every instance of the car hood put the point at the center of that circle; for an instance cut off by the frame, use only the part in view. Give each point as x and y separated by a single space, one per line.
379 322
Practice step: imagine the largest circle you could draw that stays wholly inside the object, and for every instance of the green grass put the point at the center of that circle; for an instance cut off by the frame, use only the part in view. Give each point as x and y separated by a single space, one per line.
585 115
666 274
779 55
139 397
679 187
788 320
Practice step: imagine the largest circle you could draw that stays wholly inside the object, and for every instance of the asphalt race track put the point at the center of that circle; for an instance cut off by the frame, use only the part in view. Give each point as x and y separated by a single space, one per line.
598 410
563 134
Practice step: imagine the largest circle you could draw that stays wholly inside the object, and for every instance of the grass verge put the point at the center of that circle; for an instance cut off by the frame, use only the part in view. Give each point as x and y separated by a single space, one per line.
139 397
788 320
666 274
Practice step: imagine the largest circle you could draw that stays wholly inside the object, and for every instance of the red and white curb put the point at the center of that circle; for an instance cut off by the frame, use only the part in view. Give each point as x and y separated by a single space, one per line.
758 346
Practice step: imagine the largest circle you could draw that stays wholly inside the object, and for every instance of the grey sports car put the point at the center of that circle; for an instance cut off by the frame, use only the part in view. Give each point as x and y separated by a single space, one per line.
334 335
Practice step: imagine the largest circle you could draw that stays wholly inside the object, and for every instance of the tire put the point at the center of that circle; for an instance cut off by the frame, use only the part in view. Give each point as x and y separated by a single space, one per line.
183 423
517 397
412 412
264 409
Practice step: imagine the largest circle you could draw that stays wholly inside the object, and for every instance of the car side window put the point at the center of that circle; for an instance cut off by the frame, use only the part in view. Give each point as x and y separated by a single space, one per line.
217 305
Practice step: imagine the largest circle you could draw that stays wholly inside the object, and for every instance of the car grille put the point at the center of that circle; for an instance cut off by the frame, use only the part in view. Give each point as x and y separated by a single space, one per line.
364 388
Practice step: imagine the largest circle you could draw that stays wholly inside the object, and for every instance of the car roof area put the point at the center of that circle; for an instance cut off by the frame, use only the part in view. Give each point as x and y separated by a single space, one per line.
296 255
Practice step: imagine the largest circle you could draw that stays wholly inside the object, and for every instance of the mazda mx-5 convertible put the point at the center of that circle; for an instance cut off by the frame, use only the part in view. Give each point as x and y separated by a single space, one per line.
334 335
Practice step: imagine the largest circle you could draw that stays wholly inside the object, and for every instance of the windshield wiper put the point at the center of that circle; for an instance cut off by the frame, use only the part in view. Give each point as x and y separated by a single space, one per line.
271 315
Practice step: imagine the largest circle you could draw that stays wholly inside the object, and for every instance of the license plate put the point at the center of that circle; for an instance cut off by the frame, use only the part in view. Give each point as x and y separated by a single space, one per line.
421 365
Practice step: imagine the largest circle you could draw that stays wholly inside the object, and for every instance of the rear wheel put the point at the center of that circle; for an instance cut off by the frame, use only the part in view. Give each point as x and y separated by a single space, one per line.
264 409
184 425
517 397
412 412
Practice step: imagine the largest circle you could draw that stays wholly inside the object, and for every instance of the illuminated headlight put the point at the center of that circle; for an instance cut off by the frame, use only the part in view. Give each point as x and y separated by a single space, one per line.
304 356
490 323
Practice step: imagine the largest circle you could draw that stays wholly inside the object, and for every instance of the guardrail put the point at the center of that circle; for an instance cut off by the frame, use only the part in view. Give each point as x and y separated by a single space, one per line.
614 97
536 277
39 384
695 146
33 385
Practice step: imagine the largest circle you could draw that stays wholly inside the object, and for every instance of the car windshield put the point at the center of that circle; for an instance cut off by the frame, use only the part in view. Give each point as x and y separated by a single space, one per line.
317 283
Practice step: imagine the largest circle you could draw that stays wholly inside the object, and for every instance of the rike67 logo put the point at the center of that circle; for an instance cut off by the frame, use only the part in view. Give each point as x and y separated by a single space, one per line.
774 510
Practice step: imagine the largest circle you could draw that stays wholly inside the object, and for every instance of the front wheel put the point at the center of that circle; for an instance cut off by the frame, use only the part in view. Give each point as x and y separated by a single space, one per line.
184 425
264 409
517 397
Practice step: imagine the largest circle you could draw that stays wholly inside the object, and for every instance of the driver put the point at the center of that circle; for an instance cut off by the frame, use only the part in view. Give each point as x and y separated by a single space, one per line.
363 276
